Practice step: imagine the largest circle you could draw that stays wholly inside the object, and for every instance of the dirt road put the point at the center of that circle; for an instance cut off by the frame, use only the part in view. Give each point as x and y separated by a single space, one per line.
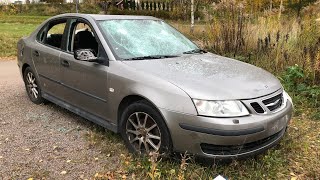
42 140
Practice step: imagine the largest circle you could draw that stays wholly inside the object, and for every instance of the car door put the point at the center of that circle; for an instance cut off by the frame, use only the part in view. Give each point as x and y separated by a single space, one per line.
45 55
85 83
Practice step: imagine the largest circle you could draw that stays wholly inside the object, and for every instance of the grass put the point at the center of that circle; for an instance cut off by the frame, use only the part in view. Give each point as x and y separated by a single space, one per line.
10 33
297 155
22 19
12 28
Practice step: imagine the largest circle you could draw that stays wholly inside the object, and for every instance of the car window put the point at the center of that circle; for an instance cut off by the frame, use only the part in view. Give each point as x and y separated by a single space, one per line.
82 37
53 33
141 38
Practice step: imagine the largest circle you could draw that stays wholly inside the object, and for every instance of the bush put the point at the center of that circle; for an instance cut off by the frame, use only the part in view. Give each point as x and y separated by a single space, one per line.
48 9
295 81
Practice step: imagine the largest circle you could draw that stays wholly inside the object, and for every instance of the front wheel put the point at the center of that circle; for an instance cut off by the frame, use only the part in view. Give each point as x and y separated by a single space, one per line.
143 129
32 86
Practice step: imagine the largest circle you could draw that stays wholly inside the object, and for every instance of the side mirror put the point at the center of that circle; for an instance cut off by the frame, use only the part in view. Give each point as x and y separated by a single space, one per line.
86 55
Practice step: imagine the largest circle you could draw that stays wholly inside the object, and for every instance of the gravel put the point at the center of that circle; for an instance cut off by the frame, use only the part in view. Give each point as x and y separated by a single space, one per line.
43 141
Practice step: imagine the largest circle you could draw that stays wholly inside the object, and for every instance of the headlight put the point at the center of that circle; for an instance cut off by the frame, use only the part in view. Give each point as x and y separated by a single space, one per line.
220 108
287 97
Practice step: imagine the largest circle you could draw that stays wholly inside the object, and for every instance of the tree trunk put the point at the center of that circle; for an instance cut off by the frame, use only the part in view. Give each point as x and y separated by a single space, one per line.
280 9
192 16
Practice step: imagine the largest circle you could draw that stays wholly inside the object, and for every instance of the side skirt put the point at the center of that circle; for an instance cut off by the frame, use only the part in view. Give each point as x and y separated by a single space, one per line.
95 119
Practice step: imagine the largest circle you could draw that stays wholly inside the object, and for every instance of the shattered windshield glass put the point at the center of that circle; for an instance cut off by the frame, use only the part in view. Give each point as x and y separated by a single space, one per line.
145 39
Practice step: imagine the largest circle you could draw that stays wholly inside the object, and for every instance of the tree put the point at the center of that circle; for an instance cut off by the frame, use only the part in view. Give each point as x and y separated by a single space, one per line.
297 5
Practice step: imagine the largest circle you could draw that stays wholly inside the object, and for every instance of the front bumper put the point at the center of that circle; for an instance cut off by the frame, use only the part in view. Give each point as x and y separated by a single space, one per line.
226 138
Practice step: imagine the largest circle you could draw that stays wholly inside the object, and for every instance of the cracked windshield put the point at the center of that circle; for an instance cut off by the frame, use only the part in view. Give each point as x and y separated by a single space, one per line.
153 39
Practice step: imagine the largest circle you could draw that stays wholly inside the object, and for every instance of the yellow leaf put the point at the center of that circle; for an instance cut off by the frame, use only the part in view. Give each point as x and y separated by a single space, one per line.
63 172
30 178
294 178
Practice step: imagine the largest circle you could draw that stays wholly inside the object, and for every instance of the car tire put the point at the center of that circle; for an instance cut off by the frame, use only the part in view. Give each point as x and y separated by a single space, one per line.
149 134
32 86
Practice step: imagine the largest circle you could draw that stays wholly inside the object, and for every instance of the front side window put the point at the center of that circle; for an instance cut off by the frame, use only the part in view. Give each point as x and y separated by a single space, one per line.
82 37
53 33
140 38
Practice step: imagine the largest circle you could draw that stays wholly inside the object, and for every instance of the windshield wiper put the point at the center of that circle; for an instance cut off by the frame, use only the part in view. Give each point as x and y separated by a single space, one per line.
195 51
152 57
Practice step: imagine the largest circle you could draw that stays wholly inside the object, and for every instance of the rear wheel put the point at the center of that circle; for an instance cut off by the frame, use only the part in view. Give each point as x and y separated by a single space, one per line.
32 86
143 129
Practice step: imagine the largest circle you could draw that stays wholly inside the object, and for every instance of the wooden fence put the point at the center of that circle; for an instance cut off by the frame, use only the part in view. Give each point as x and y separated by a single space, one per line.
145 5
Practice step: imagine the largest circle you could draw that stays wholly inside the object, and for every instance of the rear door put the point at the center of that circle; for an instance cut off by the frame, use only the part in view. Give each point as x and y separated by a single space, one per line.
46 56
85 82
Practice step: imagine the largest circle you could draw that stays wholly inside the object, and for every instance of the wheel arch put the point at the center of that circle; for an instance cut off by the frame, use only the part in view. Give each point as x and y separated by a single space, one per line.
126 101
24 67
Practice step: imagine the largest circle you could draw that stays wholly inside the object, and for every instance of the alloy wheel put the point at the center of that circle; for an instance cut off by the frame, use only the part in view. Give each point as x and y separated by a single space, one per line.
143 132
32 85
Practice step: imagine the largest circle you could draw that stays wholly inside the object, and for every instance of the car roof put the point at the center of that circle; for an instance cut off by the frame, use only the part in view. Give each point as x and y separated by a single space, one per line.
99 17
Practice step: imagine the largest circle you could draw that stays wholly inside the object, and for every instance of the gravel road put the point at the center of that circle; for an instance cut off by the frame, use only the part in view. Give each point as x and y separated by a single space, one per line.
43 140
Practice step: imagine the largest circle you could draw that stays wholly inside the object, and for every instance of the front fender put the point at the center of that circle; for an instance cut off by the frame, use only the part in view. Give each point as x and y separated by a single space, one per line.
125 81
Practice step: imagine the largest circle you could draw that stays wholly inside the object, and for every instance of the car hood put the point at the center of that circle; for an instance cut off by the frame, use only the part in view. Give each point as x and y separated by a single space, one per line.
211 77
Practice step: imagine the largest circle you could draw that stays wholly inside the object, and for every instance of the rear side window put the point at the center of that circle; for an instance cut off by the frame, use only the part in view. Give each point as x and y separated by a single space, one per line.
52 34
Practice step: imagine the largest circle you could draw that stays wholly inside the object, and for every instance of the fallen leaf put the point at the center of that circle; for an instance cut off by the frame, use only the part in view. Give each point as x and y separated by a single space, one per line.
27 149
124 177
1 157
40 160
293 176
96 159
30 178
63 172
108 155
68 160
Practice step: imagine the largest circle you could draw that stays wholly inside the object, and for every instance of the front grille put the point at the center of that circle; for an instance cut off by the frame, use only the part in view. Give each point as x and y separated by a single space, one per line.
238 149
274 102
256 106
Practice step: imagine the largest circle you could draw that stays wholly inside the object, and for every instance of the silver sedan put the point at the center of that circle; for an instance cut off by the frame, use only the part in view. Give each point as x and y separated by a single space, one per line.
140 77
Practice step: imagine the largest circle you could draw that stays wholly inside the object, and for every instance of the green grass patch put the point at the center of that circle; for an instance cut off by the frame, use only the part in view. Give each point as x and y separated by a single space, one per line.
10 33
23 19
12 28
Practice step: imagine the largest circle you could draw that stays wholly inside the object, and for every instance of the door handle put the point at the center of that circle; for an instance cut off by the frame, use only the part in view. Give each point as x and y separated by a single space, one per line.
36 53
65 63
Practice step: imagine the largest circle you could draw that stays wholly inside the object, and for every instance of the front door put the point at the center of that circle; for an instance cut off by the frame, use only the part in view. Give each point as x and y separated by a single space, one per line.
85 83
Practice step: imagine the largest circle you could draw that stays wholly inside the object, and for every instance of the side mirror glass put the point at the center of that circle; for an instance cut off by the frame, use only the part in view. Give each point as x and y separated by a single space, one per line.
85 55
